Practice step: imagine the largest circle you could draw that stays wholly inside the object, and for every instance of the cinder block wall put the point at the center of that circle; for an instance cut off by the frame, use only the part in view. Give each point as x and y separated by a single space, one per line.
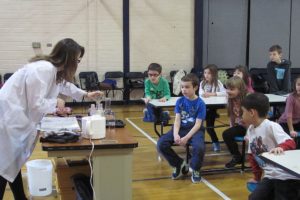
160 31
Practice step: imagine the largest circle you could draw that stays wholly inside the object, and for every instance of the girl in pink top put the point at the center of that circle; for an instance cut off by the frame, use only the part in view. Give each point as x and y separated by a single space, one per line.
242 72
290 119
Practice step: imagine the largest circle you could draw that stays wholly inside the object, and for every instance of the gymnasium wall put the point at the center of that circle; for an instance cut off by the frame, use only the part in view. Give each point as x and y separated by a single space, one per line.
160 31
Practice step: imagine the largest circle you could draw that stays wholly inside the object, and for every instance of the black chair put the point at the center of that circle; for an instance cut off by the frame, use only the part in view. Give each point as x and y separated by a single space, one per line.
198 73
146 74
89 81
259 78
6 76
133 81
115 76
295 72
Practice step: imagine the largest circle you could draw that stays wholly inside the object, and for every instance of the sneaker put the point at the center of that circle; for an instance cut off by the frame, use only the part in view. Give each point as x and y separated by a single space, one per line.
196 178
216 146
147 117
234 161
177 171
166 117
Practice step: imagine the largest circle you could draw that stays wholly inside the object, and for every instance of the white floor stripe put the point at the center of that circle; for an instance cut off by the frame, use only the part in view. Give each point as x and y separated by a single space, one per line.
216 190
135 118
208 184
142 131
217 154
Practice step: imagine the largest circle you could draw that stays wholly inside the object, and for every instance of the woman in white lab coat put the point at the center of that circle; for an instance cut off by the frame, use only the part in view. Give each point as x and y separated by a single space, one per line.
25 98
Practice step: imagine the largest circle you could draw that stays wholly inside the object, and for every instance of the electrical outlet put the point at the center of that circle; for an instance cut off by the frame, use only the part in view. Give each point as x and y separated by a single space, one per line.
36 45
49 45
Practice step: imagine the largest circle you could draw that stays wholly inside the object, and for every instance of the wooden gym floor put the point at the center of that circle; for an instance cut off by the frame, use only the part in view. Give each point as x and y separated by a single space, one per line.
151 176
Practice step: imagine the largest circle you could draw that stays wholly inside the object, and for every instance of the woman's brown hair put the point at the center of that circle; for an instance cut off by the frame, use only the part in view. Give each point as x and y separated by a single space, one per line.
64 54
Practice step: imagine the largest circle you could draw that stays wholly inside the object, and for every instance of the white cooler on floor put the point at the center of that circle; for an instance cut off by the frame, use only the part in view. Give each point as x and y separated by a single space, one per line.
39 177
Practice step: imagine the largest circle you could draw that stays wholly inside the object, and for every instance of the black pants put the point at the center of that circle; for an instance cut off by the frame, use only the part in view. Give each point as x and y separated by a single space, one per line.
16 187
296 127
228 137
276 189
286 128
211 115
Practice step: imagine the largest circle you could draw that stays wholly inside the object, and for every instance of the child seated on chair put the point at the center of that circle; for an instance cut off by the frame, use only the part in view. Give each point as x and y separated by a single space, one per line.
267 136
279 72
242 72
236 91
210 86
188 127
290 119
156 87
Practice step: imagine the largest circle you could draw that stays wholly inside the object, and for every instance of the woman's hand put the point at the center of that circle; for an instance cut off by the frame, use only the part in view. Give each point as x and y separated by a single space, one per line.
60 104
63 111
94 95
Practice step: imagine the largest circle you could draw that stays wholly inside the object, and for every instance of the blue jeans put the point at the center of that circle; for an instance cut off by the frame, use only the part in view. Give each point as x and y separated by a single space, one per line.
165 142
151 113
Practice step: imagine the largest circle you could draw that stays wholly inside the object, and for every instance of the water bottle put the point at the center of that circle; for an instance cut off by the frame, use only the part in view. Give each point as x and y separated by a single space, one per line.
92 110
99 110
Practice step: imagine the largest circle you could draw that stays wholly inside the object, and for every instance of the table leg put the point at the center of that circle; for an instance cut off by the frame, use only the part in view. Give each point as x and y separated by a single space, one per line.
113 175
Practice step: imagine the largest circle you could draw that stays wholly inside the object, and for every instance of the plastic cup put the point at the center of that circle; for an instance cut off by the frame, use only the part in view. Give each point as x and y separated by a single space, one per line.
110 119
107 104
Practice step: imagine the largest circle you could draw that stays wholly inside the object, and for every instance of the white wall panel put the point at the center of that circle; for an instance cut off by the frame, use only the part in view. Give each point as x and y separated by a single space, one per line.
162 32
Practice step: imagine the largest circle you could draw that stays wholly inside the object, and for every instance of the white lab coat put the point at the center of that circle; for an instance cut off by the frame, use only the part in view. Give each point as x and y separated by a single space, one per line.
24 99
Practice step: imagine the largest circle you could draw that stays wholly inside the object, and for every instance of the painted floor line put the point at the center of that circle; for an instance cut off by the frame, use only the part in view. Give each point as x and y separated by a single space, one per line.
216 190
142 131
208 184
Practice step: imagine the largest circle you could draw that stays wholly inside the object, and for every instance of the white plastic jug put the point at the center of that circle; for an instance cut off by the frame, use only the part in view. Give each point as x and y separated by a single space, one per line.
39 177
93 127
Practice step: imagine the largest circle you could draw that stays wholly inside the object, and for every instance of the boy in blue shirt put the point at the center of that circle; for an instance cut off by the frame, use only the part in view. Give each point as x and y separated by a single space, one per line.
188 127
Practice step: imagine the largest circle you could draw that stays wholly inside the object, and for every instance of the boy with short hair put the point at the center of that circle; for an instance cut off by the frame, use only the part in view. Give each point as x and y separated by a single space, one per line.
267 136
279 72
188 127
156 87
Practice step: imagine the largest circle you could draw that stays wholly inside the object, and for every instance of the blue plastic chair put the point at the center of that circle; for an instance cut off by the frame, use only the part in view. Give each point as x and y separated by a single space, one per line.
251 186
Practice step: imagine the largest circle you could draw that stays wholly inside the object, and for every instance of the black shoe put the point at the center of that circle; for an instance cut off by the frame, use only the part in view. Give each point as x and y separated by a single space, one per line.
178 171
233 162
